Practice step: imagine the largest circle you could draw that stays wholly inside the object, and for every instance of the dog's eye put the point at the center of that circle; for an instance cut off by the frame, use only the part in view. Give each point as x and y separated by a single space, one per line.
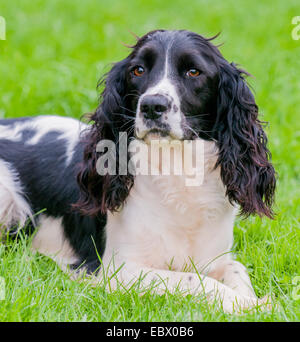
138 71
193 73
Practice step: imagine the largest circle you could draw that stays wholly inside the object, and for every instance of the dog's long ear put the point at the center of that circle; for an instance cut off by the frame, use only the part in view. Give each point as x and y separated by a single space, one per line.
244 159
106 192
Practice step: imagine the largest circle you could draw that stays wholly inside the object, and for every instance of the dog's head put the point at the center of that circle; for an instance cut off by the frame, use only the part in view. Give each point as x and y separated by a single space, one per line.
176 84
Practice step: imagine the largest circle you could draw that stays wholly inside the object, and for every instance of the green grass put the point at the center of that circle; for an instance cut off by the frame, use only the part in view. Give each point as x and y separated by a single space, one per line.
50 63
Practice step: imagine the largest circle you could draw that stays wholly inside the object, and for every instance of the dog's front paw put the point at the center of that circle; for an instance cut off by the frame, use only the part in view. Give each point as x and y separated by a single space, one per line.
239 304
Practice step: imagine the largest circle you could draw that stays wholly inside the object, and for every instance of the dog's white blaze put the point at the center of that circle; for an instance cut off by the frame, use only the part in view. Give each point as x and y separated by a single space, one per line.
14 209
164 87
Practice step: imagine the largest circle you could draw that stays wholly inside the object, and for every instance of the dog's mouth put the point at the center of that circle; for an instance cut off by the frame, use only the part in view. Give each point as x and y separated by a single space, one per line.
157 133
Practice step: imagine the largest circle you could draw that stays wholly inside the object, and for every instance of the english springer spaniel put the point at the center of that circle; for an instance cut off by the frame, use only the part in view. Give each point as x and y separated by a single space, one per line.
154 229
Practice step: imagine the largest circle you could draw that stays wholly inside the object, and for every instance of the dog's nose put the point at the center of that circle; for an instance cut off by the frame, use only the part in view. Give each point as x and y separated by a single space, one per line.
153 106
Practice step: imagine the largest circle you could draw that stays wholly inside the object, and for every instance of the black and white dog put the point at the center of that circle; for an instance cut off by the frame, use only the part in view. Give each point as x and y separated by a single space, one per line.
175 85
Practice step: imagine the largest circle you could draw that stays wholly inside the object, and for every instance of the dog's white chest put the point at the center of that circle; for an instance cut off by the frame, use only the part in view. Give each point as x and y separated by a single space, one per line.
167 225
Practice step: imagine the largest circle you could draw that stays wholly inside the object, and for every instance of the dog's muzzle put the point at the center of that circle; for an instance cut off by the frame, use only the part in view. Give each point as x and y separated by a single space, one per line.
153 107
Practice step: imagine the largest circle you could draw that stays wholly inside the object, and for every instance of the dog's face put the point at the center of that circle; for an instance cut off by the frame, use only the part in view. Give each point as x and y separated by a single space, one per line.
176 84
175 76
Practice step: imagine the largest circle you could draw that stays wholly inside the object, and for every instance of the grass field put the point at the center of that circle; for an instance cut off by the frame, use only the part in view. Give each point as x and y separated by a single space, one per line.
50 63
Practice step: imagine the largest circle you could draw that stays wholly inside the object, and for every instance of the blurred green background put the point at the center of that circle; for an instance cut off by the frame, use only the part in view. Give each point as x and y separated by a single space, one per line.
55 52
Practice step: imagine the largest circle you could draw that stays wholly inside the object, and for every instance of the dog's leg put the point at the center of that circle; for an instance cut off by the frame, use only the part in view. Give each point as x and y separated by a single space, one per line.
161 281
234 275
14 209
51 241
